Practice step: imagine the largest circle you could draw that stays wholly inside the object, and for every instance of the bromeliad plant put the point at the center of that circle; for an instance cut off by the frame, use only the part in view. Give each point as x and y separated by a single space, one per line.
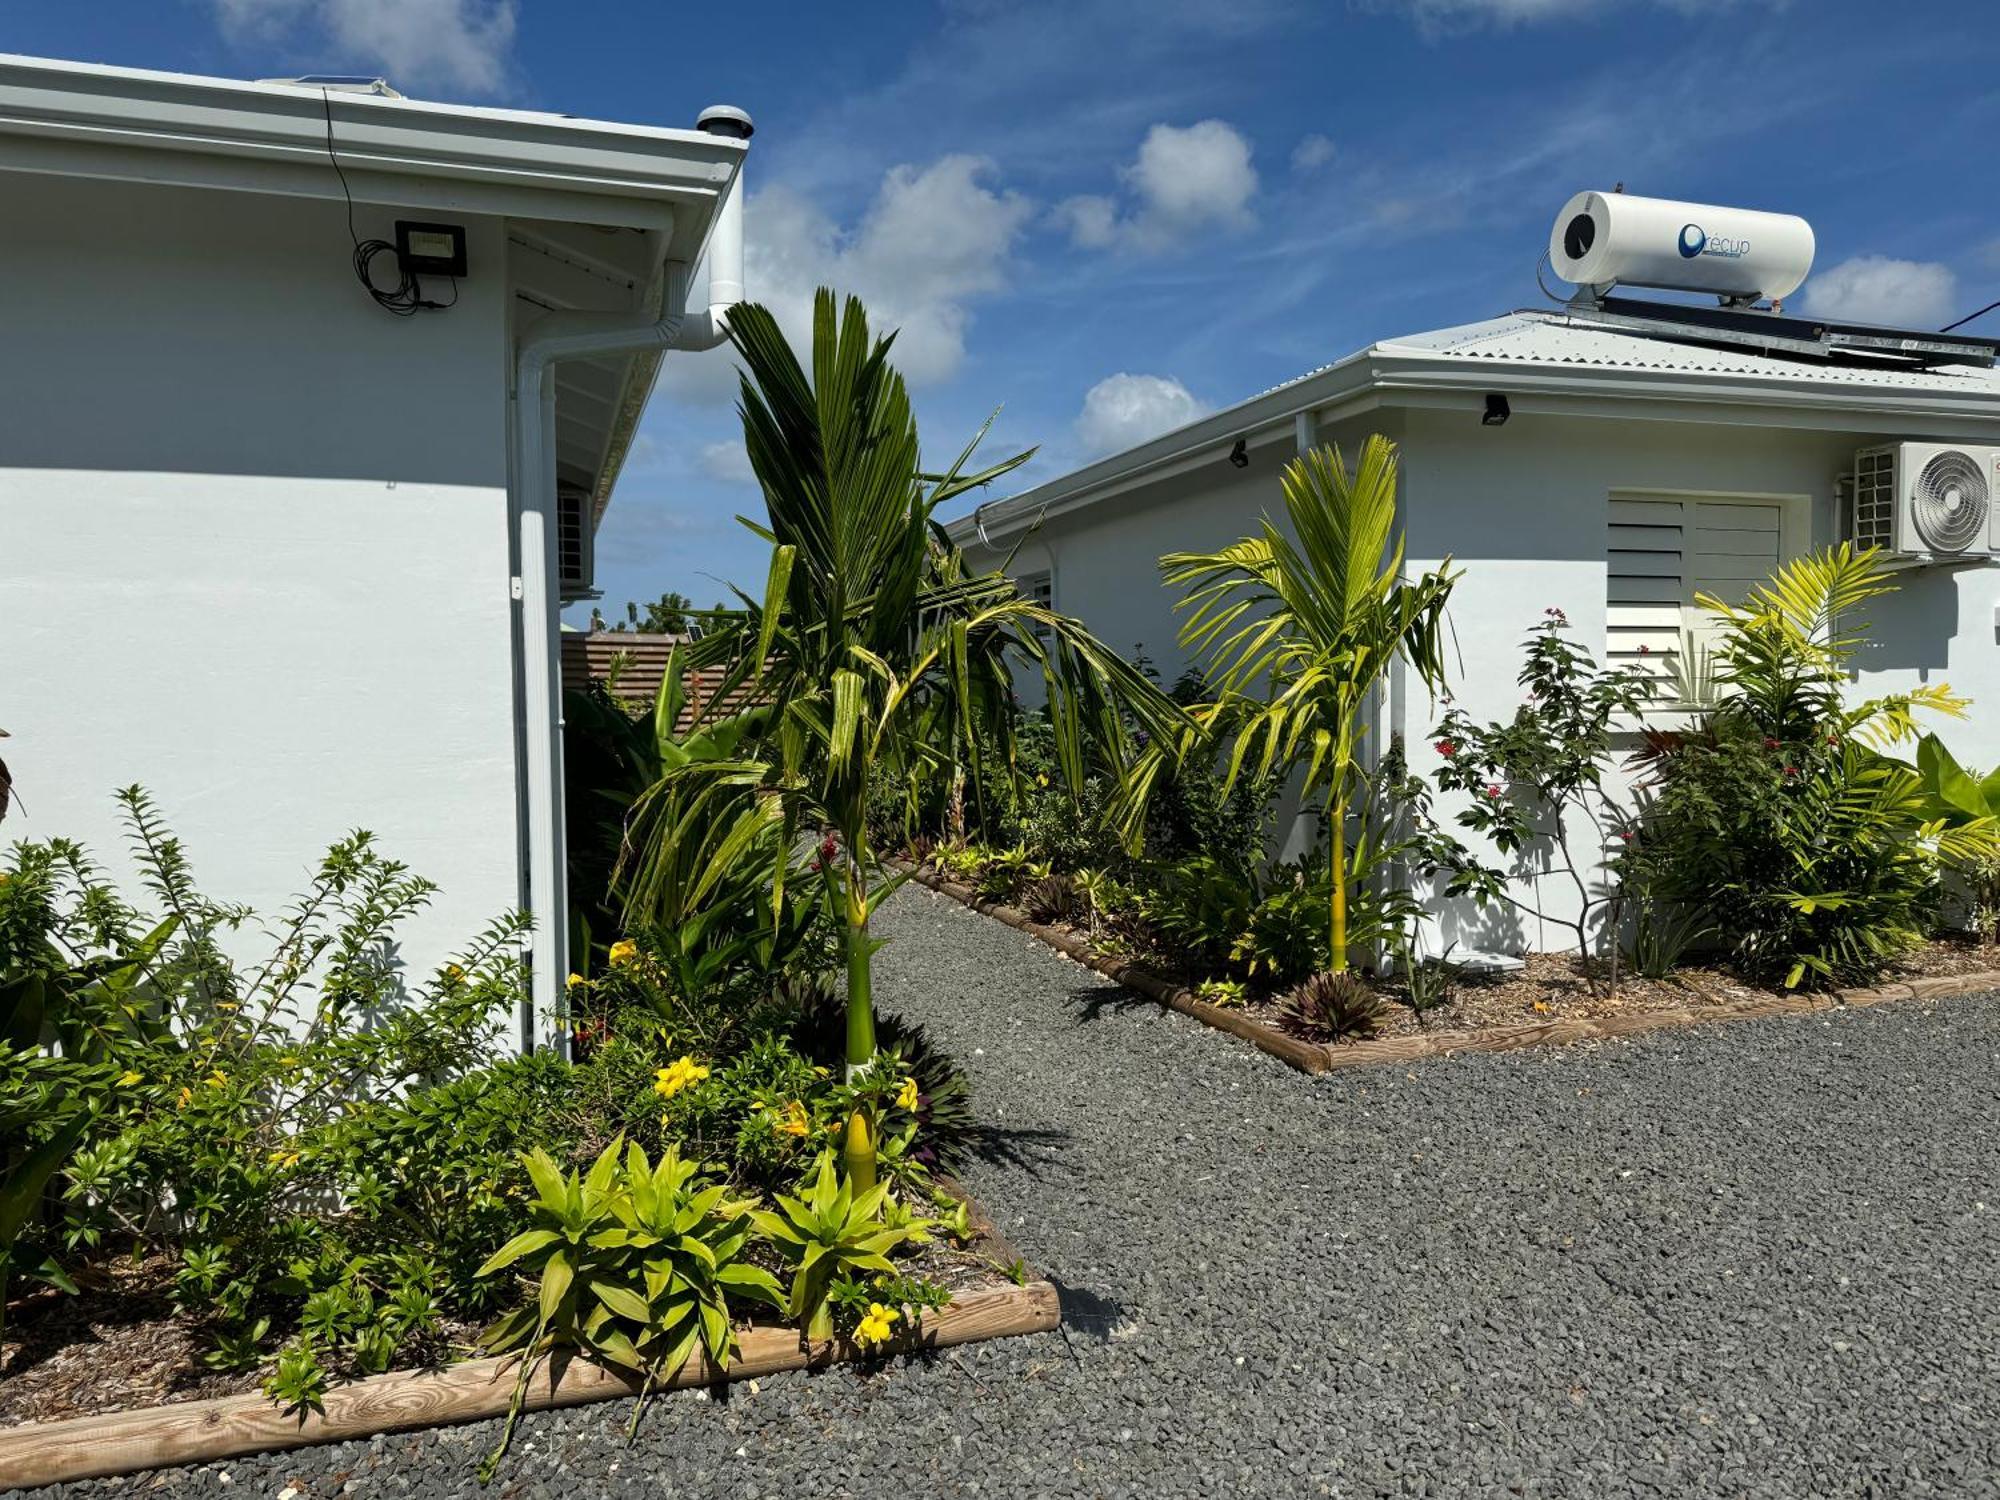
833 1230
639 1264
1297 636
873 635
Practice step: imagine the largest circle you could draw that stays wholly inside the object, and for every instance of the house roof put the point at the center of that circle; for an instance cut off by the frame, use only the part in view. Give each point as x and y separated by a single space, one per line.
594 208
1528 355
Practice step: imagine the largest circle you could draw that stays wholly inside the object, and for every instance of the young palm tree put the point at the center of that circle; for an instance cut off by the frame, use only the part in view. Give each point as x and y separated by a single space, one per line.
1296 636
872 632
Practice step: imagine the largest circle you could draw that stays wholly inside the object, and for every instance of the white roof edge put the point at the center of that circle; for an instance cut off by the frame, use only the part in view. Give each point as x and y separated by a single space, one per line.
86 119
1414 363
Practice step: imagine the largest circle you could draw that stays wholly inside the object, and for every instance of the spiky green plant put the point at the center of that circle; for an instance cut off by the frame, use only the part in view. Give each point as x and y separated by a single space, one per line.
875 645
1296 636
831 1230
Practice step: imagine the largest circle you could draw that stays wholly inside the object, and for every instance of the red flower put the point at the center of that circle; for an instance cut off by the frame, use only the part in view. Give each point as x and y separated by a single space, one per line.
1791 770
1445 747
1769 743
827 850
1493 791
1626 835
1644 649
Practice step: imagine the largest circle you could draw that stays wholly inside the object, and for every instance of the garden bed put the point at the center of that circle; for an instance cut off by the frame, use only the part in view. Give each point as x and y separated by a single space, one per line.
109 1382
1547 1003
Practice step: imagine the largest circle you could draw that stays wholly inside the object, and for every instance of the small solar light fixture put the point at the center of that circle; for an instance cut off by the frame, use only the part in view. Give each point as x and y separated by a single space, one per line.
1497 411
1240 454
430 249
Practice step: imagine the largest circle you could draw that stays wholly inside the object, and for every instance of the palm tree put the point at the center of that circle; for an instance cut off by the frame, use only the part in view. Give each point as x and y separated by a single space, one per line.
1297 636
872 632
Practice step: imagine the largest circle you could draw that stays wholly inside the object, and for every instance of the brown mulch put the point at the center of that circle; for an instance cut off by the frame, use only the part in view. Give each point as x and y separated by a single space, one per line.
117 1346
1552 986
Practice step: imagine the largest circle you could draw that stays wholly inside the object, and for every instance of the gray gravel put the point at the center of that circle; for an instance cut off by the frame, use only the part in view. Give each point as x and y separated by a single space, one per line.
1752 1260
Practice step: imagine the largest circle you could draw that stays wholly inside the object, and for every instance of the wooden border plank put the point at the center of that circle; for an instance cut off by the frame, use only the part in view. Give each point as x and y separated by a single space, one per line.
194 1432
1312 1057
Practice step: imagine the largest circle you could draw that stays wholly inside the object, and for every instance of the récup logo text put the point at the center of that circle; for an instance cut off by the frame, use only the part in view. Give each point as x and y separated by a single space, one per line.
1697 241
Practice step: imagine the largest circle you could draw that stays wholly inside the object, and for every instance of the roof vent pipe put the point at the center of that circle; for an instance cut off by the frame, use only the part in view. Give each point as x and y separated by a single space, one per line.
725 241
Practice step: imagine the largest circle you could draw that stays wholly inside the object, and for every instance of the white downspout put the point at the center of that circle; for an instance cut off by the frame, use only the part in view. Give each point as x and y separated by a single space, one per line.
557 337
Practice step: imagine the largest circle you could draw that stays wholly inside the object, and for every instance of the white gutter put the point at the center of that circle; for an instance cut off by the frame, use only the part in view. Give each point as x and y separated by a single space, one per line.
557 337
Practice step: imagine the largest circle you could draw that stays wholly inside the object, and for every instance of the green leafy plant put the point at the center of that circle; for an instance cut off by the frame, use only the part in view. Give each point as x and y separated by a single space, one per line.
1223 991
1430 982
1535 783
874 645
1298 635
1778 816
635 1263
828 1230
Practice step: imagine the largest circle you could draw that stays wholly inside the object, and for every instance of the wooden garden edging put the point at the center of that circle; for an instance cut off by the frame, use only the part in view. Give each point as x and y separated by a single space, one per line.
1320 1057
196 1432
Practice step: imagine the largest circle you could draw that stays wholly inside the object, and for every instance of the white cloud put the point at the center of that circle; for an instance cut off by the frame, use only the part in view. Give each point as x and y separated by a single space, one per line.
726 461
1879 289
1457 15
462 45
934 239
1184 179
1123 410
1312 152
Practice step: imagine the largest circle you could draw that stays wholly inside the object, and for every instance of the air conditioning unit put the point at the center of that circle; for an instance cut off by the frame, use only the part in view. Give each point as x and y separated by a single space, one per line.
575 545
1926 502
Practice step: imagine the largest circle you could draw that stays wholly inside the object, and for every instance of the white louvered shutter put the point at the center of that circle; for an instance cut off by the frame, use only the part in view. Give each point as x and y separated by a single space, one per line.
1662 550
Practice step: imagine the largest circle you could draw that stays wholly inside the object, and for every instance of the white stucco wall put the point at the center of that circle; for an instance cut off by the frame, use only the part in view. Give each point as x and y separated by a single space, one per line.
1522 511
254 543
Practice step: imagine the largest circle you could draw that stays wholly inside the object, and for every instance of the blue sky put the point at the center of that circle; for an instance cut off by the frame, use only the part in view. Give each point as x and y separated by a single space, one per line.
1107 216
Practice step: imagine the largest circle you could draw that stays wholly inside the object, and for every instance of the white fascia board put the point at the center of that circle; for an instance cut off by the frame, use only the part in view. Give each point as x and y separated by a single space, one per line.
1379 377
132 125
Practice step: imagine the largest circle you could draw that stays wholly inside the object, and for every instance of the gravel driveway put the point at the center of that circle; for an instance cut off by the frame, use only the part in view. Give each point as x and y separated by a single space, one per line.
1760 1259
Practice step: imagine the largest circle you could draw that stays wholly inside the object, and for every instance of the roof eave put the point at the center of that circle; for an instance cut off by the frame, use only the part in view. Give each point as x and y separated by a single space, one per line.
132 125
1385 375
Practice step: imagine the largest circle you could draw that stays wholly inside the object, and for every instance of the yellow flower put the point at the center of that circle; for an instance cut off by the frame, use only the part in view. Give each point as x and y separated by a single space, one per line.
181 1102
285 1158
1542 1007
576 979
682 1073
794 1121
453 973
875 1327
127 1078
906 1096
624 951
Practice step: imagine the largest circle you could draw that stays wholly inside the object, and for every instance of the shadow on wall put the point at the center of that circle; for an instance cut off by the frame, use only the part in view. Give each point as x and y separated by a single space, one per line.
1911 629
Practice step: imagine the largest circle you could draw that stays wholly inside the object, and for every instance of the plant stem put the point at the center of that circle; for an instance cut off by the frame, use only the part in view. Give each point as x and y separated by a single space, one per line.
858 1148
1337 870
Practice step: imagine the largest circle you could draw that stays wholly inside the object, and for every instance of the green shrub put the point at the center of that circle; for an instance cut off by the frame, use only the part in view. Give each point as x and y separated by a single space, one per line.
1777 817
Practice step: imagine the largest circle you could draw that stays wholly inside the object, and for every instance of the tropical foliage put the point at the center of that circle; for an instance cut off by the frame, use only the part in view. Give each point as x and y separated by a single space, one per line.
1780 816
880 656
1297 637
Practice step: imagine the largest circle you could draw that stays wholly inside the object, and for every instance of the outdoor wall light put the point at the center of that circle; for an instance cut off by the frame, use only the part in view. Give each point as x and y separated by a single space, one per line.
1240 454
1497 410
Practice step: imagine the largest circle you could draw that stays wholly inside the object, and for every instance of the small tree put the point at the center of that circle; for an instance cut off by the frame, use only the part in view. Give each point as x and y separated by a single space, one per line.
1537 781
873 635
1296 637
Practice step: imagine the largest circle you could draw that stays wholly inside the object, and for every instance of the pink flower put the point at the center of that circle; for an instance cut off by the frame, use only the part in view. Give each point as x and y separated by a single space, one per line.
1493 791
1626 835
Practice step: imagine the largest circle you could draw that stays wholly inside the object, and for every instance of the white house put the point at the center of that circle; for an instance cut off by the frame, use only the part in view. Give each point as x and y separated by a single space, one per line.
289 551
1610 466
